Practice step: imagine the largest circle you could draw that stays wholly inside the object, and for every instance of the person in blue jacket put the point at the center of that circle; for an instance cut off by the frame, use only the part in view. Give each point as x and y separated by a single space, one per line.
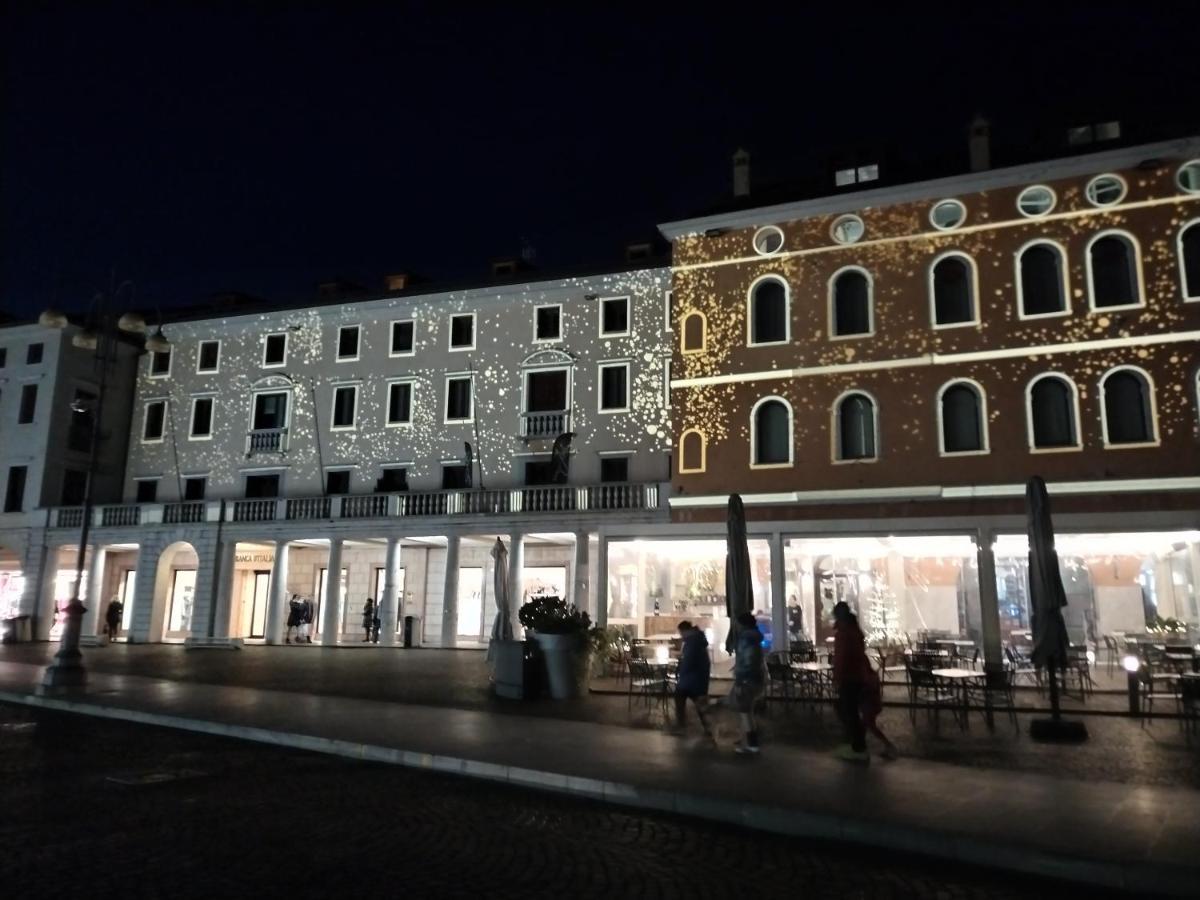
749 677
692 677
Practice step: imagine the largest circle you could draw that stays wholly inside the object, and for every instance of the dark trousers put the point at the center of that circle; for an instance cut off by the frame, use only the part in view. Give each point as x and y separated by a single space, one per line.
849 699
698 701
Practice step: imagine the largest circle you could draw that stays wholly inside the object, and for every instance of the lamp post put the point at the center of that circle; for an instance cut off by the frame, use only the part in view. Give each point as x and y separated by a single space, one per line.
100 336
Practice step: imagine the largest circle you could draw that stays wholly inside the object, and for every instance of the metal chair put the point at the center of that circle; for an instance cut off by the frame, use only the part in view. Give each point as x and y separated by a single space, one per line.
648 683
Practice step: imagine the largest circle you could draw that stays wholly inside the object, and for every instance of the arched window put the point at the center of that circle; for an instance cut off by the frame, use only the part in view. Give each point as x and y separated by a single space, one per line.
1128 407
768 312
856 427
1052 413
1112 271
771 421
851 298
695 332
953 284
961 414
692 449
1040 274
1189 260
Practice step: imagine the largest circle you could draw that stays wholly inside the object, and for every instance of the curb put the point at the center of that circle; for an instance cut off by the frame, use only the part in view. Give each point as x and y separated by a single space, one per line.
1139 877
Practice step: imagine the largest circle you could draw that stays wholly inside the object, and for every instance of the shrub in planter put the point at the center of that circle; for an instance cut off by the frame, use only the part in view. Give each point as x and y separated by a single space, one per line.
566 637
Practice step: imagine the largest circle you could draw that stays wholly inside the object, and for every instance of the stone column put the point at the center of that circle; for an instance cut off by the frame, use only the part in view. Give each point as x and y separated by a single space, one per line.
989 606
602 580
389 603
516 566
450 594
332 625
95 585
581 592
779 620
277 604
220 626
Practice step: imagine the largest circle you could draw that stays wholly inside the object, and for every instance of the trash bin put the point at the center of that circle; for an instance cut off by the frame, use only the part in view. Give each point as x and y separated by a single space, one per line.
410 630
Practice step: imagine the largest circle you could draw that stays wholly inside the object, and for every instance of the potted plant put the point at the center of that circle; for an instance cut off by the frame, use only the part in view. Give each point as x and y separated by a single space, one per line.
563 633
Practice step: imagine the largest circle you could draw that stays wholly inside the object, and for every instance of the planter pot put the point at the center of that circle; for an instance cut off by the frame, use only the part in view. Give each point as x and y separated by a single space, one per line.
562 655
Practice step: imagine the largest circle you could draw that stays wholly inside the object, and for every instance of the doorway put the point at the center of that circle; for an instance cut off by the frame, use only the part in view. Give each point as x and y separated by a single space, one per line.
470 602
258 604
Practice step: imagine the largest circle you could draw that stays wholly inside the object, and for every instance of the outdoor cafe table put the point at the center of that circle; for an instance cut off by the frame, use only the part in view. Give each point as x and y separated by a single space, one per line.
960 680
812 667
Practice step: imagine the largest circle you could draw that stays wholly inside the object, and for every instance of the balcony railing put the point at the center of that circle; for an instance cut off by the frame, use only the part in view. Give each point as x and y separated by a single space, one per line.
251 511
545 424
120 515
266 440
68 517
308 508
184 513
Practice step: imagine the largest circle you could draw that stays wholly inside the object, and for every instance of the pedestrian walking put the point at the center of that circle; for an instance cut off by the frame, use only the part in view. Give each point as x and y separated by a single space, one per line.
306 618
850 668
870 707
692 676
295 619
112 618
377 623
748 679
368 619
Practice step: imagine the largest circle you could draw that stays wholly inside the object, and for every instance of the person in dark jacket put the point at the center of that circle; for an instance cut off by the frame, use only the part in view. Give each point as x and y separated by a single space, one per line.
112 618
692 677
851 674
749 676
368 619
306 618
294 620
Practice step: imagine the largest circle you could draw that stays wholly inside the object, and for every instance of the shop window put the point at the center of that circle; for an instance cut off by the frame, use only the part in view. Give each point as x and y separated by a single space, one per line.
691 452
1052 413
772 434
1112 268
695 332
1189 260
962 419
851 303
953 291
1040 272
769 312
856 427
1128 407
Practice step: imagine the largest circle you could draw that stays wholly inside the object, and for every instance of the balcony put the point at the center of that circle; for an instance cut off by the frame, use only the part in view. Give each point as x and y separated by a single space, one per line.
545 425
266 440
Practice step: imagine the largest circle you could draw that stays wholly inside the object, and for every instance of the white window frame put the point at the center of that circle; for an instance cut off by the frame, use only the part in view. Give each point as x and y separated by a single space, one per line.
454 376
152 355
392 352
200 355
561 331
1087 191
666 383
949 201
614 364
333 407
287 412
1078 445
212 418
1137 268
628 300
1188 296
754 434
537 370
1063 267
145 418
412 402
450 332
684 350
984 439
767 229
830 309
975 320
835 431
787 312
1152 394
703 452
668 299
286 342
337 348
1037 215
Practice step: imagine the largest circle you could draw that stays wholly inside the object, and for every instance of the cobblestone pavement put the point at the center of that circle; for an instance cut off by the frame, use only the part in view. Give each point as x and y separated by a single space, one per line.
103 809
1120 748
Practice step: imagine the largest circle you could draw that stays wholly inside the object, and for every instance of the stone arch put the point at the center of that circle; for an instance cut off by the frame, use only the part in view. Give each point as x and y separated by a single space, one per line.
176 575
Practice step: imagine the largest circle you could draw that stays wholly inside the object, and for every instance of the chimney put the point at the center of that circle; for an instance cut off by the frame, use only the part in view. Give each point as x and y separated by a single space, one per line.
397 282
979 143
741 173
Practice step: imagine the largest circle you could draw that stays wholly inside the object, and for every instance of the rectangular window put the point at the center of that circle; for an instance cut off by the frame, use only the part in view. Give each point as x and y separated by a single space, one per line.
275 349
614 387
400 403
614 468
202 415
392 480
458 398
539 471
270 411
614 316
347 345
74 487
147 490
208 356
547 323
403 333
83 419
14 495
259 487
337 481
462 332
33 354
194 488
155 421
160 364
546 391
345 403
29 394
455 477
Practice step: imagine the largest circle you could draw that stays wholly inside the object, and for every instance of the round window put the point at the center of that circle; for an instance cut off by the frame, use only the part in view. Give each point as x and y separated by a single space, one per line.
1105 190
1189 176
1036 201
768 240
847 229
947 214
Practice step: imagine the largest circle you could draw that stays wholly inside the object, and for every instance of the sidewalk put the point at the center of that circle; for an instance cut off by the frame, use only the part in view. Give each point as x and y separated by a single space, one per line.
1139 838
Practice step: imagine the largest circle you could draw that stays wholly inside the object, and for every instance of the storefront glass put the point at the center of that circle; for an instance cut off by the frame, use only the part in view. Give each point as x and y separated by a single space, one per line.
183 593
470 602
12 585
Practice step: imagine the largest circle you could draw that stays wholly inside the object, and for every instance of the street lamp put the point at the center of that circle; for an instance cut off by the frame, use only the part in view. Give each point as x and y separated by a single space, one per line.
100 335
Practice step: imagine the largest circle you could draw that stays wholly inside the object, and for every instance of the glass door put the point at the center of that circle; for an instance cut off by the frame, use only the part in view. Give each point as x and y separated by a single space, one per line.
183 595
258 605
470 602
323 580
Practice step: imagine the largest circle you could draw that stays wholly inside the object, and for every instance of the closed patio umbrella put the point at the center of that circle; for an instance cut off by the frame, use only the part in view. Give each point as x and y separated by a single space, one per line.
1050 643
739 592
502 627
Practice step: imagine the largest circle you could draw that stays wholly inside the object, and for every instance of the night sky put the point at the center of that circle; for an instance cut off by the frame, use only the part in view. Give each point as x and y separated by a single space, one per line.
247 147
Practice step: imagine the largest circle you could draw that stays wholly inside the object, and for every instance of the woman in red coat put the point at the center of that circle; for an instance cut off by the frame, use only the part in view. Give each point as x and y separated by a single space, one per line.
857 685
